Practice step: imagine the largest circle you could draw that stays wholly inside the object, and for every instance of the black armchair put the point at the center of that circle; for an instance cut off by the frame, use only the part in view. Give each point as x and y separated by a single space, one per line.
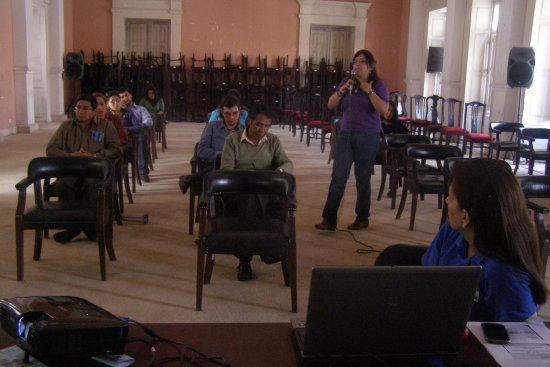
269 235
73 214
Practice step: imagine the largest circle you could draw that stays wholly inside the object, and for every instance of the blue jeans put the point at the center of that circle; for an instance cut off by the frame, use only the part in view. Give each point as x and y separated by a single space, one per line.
361 149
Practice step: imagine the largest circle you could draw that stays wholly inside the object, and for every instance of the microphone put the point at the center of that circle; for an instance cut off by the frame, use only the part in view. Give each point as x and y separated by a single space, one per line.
353 79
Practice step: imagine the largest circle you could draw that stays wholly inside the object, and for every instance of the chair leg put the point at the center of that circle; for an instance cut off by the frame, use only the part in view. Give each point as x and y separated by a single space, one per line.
439 201
402 203
210 258
19 244
191 211
307 136
37 244
413 209
293 275
382 183
471 149
200 276
101 246
284 267
127 185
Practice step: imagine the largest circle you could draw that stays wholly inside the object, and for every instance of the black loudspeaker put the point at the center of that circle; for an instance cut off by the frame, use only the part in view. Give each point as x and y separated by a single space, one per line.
435 60
74 65
521 67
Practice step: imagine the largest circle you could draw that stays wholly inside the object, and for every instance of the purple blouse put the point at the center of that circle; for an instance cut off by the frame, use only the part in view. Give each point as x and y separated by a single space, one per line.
359 114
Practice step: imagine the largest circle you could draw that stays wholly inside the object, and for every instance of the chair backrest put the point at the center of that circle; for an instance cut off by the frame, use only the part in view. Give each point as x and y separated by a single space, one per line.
401 140
400 100
535 133
433 109
474 117
90 167
535 186
418 107
496 128
249 182
432 151
451 112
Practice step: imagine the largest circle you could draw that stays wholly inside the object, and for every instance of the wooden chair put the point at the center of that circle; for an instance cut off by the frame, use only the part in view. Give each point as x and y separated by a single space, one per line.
429 180
451 121
538 187
433 117
77 214
496 129
239 233
395 145
474 121
334 131
418 113
529 151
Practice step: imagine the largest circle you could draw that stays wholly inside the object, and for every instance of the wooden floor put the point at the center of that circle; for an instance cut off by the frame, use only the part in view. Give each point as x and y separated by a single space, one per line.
153 279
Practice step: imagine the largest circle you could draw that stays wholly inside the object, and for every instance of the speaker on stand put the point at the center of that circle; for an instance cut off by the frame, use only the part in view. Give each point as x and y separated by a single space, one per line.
521 68
74 70
435 65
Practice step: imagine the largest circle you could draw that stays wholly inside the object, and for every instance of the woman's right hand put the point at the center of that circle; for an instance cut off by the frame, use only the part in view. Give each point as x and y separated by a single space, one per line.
348 85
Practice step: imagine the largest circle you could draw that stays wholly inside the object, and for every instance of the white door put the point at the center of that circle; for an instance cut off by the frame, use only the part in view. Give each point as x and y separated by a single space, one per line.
147 35
330 43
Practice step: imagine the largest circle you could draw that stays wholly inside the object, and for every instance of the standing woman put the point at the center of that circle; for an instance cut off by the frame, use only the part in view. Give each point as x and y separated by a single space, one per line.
363 98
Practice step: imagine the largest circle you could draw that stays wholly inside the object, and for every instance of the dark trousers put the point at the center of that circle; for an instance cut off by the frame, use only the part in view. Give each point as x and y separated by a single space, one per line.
404 255
70 188
359 149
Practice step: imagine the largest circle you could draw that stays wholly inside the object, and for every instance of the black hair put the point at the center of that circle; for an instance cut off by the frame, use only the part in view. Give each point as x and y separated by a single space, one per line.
124 89
373 76
88 97
261 109
230 101
111 93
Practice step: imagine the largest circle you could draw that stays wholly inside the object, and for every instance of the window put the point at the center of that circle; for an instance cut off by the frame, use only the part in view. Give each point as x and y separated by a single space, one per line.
148 35
330 43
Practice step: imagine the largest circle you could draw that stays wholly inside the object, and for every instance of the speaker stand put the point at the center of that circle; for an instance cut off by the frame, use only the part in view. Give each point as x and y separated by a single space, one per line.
520 105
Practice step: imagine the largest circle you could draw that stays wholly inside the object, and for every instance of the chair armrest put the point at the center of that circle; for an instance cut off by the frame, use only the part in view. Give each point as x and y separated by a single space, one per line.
527 138
537 208
292 204
24 183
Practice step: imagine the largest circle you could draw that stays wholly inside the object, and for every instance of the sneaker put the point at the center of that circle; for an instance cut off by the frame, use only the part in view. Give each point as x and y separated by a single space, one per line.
65 236
358 225
325 226
245 271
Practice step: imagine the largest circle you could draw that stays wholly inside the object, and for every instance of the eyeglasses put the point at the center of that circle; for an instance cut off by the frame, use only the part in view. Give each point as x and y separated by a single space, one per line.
83 108
360 61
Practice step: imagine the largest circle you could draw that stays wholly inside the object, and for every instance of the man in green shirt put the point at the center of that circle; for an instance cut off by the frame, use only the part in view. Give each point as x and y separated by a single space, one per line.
84 136
254 148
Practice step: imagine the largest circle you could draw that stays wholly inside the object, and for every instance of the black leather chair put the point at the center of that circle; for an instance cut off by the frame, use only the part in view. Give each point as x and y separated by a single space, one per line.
221 232
77 214
429 180
529 136
538 187
501 145
395 150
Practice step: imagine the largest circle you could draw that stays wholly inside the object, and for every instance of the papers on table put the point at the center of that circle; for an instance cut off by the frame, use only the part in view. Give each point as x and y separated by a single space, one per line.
13 357
529 344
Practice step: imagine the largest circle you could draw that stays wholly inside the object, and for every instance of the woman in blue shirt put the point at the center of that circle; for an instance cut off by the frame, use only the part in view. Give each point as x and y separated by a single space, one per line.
489 225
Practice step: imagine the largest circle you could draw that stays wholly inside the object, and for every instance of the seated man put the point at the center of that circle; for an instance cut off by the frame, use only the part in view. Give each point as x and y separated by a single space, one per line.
212 139
136 120
85 136
218 112
254 149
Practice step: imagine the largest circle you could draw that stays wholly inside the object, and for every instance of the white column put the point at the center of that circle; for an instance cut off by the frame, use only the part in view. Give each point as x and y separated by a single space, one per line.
416 52
452 77
56 42
510 33
24 97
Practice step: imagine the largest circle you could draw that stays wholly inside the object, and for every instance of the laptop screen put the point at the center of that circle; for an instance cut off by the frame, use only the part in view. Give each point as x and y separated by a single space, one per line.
388 311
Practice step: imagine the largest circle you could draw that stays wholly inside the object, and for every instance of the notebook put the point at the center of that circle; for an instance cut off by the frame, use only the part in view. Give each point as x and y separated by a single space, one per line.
382 312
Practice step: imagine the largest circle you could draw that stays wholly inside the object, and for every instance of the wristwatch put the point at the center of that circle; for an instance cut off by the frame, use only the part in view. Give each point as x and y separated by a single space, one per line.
370 92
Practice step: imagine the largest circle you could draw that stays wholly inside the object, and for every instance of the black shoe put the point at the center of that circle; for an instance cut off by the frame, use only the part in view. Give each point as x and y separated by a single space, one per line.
144 177
270 259
358 225
245 271
185 182
325 226
65 236
92 235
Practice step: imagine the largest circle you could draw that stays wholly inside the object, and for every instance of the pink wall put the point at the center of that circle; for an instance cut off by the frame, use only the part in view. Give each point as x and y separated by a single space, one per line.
268 28
7 87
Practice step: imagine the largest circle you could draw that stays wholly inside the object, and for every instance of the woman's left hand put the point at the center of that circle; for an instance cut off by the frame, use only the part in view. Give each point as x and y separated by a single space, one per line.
365 86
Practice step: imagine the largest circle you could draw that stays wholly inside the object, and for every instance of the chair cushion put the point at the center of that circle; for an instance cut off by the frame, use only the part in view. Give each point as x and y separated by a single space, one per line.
315 123
477 137
431 183
404 119
64 214
230 235
452 130
327 128
434 127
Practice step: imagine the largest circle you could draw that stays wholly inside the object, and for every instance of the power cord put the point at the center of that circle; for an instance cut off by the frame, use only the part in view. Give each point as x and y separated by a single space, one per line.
363 251
188 356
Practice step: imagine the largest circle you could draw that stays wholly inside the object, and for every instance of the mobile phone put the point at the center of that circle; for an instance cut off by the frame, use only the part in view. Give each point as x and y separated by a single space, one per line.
495 333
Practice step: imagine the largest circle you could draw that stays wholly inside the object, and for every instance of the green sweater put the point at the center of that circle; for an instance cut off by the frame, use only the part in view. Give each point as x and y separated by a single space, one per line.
158 107
243 155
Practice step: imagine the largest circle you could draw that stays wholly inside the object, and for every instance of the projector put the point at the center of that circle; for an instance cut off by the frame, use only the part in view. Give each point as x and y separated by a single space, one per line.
53 328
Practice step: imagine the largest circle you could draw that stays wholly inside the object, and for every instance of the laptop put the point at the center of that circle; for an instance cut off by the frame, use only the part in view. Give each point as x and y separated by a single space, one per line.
386 313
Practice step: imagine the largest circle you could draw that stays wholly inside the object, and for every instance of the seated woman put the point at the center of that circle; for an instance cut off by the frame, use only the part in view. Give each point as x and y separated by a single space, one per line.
488 226
101 111
390 123
155 105
216 115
